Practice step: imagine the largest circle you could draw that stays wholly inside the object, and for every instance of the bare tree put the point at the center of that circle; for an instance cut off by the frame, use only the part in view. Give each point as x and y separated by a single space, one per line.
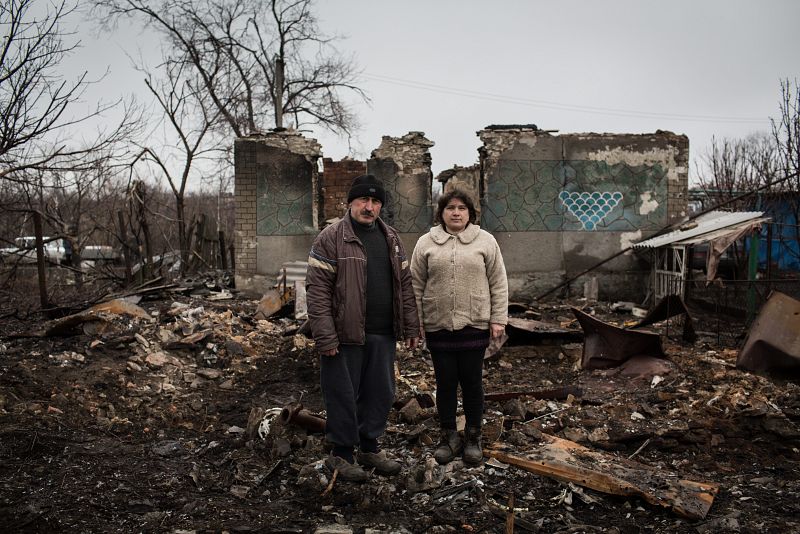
786 135
80 209
734 166
190 117
258 61
218 184
768 163
47 165
36 124
786 132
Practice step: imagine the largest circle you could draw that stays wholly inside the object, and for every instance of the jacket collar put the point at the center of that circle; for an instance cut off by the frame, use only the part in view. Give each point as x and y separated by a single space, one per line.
440 235
349 234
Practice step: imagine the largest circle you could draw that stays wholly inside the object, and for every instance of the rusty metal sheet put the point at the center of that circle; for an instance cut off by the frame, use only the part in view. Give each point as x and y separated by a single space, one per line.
606 346
528 332
531 325
670 306
773 342
495 344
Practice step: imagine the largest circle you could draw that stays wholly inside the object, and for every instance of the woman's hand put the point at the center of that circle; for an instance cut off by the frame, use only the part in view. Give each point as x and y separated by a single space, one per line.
497 330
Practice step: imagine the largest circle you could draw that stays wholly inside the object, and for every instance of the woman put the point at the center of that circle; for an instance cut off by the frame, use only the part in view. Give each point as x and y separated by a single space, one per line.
462 296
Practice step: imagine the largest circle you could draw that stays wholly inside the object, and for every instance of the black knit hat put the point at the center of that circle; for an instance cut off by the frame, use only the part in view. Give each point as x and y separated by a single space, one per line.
367 185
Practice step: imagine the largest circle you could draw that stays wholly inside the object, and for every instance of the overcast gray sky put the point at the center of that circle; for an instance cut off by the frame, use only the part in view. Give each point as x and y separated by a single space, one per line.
451 67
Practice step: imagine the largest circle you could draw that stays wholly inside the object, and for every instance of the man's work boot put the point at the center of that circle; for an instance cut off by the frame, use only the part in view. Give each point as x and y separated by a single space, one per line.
450 446
347 471
473 453
379 461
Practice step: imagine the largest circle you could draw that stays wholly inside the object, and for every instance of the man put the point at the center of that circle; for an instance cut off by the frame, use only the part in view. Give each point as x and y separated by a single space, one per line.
360 302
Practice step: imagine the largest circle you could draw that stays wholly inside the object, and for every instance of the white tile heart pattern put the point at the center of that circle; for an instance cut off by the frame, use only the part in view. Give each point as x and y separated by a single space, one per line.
590 208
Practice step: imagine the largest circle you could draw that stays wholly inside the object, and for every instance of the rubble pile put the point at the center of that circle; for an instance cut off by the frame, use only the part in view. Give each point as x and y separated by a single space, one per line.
175 412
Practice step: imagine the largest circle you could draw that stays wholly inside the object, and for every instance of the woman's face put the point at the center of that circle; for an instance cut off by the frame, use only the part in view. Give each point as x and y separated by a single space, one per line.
455 216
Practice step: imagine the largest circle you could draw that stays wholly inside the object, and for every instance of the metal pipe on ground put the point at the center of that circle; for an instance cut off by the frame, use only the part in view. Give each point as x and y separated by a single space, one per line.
297 415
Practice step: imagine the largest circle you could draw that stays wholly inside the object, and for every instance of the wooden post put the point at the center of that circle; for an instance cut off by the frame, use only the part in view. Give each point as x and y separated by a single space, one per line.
147 263
147 270
126 253
186 255
279 74
40 267
769 258
199 234
233 257
223 260
752 270
510 515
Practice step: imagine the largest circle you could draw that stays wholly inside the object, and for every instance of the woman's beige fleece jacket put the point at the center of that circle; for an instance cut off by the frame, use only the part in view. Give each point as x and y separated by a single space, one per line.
459 280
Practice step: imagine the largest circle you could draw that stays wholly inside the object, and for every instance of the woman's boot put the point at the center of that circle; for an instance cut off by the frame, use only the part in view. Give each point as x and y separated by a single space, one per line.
450 446
473 453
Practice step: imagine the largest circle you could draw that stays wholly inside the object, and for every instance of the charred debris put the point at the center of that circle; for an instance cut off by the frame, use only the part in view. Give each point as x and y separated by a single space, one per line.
185 407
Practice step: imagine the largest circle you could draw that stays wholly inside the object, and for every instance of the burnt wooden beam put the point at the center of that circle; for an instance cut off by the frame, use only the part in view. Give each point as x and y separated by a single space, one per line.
568 461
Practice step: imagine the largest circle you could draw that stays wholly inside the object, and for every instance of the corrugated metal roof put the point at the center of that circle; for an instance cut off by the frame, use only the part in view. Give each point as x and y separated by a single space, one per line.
295 270
709 226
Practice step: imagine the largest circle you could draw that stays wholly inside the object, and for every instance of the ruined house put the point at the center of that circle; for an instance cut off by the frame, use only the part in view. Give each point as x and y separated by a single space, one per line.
557 204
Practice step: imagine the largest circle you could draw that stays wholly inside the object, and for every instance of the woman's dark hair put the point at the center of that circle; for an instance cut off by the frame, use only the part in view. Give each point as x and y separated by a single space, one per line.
445 199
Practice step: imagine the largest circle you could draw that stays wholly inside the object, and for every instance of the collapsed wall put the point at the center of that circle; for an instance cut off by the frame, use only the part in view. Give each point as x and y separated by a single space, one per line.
278 208
404 166
282 200
559 204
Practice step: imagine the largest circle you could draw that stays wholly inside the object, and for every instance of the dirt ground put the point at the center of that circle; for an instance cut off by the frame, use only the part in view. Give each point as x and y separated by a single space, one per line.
165 422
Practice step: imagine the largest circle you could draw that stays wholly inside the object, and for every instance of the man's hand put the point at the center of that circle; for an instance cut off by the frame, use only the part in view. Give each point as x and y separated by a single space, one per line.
329 352
497 330
411 343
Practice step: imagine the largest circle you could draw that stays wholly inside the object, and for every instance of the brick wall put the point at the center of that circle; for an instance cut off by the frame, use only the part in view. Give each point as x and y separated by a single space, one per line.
245 197
277 210
678 183
336 179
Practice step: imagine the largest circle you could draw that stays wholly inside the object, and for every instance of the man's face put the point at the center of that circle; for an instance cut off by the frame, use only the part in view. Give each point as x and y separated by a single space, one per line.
365 209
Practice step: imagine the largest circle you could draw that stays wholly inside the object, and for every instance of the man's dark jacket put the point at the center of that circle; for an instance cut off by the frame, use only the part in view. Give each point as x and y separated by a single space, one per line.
336 287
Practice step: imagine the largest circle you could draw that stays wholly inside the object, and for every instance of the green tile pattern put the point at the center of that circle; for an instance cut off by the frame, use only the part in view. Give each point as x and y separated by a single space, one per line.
283 207
408 208
526 195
